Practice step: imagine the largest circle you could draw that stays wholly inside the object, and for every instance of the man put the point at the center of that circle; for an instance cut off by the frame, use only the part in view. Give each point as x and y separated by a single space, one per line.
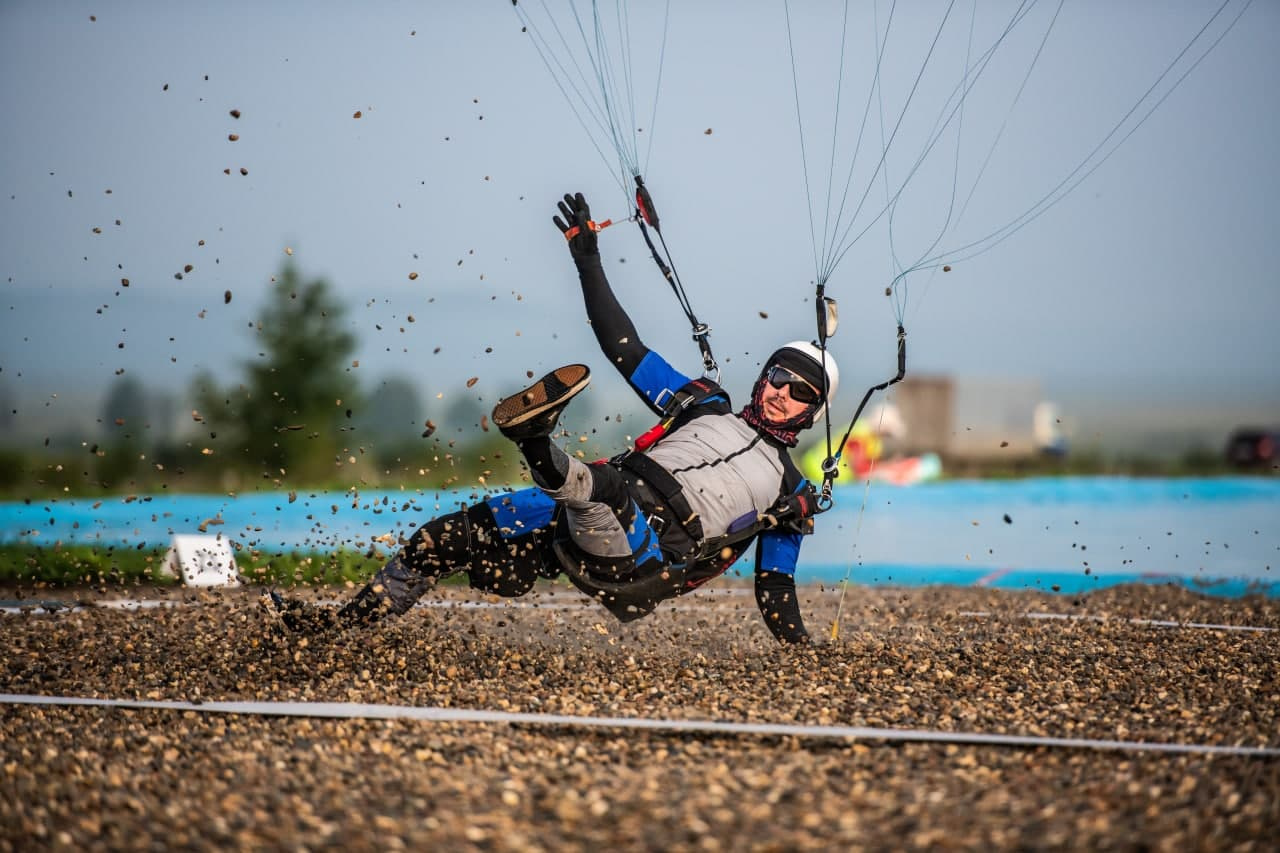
653 523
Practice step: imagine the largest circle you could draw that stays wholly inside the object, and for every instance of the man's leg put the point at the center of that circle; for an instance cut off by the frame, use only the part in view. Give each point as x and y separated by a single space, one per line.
602 516
529 417
503 543
597 505
435 550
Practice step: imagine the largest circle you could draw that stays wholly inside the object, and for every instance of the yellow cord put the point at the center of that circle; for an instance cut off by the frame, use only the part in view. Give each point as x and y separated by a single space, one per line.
857 532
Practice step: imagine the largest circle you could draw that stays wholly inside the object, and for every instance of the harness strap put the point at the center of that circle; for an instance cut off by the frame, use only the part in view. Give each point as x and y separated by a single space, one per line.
659 479
615 584
796 509
694 392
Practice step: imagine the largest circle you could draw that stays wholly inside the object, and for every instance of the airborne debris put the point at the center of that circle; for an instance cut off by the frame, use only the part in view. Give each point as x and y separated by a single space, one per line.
233 137
430 428
413 276
226 298
472 381
235 114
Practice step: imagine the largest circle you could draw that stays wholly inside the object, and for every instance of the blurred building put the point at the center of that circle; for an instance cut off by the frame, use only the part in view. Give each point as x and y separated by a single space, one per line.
965 419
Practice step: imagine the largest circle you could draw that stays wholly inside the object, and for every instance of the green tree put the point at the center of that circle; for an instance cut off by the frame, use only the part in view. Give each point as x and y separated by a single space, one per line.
292 409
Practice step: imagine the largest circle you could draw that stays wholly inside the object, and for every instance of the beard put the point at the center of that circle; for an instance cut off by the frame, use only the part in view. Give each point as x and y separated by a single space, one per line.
785 432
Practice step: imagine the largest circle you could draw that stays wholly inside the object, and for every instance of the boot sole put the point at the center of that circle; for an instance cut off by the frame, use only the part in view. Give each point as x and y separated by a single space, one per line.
534 400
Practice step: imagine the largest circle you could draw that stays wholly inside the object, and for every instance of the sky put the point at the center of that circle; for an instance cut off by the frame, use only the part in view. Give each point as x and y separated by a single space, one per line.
412 154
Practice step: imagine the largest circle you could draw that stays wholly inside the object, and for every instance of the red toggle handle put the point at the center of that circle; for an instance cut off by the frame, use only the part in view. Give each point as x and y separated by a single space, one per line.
591 223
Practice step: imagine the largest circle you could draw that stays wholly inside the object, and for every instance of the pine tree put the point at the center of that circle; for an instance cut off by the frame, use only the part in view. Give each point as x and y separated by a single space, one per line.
290 414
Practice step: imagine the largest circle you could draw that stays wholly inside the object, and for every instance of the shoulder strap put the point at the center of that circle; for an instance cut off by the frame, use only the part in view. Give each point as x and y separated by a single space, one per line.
694 393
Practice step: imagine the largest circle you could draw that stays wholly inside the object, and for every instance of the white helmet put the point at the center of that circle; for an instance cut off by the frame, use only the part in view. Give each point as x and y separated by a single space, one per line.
809 361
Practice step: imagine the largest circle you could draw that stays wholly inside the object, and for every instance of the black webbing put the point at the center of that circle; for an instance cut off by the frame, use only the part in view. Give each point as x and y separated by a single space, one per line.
646 213
830 467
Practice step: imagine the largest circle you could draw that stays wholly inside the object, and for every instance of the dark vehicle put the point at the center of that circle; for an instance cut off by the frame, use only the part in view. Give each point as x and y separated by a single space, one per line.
1254 448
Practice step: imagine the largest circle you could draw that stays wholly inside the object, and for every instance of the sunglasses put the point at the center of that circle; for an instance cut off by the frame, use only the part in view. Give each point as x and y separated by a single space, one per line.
801 391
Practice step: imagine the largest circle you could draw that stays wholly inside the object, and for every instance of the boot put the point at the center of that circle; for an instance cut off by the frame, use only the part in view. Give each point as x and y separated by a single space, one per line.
533 412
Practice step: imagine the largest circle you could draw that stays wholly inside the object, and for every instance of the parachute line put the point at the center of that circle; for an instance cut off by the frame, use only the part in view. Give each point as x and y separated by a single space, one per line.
804 161
851 229
846 243
591 62
566 81
1083 170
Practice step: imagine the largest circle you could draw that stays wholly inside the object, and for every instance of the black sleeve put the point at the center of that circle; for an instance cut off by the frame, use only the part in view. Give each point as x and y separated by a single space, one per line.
613 328
776 598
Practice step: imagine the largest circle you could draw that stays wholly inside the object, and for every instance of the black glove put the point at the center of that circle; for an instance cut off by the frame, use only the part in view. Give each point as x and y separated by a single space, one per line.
577 226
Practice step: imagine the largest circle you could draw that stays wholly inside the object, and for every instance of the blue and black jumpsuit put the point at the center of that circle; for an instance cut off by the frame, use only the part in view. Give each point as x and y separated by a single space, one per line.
689 505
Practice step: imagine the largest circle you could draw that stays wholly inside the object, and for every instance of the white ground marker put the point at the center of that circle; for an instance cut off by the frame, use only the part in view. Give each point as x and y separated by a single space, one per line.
202 560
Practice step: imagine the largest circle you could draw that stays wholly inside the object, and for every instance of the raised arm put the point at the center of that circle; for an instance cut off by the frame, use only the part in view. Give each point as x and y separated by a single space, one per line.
648 373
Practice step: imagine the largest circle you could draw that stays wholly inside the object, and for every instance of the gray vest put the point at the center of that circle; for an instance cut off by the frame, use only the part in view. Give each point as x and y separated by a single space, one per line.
725 468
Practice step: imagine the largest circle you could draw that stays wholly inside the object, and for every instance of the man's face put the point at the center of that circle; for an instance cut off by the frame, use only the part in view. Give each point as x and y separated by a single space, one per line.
781 388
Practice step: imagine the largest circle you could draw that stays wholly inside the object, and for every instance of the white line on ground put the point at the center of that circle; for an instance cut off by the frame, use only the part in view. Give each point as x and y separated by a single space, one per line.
1159 623
352 710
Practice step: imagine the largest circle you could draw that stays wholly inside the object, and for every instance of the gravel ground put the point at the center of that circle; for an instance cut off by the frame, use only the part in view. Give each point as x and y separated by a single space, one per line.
961 660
